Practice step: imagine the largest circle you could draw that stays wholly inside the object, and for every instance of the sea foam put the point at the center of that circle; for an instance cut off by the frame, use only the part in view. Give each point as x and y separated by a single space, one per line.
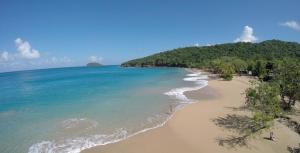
78 144
200 82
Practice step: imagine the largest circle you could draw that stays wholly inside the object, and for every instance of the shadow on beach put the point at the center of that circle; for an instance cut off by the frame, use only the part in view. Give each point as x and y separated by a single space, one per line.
240 108
241 124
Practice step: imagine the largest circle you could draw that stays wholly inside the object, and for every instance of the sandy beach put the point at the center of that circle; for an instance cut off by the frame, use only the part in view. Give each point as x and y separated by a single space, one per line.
208 126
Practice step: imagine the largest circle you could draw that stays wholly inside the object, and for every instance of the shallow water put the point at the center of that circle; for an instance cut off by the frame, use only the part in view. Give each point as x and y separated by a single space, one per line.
70 109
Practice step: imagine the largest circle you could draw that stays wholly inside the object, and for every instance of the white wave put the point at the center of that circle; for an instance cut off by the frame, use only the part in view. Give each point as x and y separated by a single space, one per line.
198 78
194 74
78 144
178 93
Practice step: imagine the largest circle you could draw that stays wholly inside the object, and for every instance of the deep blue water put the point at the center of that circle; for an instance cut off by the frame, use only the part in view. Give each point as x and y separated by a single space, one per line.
68 109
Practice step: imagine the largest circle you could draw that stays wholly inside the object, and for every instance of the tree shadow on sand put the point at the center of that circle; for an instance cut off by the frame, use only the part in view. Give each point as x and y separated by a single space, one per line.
240 108
243 125
294 149
233 141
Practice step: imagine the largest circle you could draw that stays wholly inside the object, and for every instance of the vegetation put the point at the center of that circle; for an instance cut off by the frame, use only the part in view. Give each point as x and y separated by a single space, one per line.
271 98
225 66
200 57
263 100
258 59
287 76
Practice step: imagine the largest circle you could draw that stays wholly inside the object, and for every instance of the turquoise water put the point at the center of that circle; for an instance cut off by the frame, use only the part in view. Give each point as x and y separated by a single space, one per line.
69 109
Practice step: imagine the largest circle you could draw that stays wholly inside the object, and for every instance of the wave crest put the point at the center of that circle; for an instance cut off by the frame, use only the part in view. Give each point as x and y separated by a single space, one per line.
77 144
178 93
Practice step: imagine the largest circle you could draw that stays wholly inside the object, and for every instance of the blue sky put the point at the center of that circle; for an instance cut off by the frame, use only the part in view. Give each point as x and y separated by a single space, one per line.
41 34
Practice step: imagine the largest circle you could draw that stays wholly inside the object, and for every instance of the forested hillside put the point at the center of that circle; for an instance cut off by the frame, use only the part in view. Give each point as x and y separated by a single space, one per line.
201 57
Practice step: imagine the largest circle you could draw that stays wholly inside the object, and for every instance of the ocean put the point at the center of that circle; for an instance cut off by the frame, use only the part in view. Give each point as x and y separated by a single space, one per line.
66 110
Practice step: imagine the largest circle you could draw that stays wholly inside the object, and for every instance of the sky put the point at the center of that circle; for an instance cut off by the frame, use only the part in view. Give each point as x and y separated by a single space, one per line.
43 34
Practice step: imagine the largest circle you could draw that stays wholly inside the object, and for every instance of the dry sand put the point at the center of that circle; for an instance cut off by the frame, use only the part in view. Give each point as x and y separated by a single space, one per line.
193 129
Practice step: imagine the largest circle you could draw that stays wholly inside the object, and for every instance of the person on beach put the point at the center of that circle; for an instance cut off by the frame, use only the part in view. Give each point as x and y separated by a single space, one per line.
171 109
272 138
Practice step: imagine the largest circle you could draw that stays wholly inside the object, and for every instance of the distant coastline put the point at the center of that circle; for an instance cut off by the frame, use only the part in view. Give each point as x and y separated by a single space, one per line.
93 64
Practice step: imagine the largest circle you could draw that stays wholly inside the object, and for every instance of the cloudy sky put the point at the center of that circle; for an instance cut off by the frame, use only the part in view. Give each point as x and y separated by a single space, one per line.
41 34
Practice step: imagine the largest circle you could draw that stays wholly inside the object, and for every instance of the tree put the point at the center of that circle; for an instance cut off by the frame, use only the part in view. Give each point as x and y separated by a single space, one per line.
263 99
227 71
240 66
215 65
287 76
224 67
259 69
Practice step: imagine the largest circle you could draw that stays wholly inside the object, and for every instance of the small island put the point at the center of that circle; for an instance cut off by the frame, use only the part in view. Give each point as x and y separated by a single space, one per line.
93 64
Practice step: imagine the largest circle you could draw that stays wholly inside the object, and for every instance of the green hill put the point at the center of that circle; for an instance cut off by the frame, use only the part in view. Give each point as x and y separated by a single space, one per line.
202 56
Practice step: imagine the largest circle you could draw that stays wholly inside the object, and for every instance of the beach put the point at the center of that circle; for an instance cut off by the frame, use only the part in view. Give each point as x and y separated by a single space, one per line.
207 126
151 76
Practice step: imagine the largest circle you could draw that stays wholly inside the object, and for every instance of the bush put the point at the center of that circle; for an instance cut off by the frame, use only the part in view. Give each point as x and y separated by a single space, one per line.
263 99
227 76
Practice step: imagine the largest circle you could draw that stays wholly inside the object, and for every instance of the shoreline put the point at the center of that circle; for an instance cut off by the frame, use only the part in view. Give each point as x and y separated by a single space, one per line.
191 129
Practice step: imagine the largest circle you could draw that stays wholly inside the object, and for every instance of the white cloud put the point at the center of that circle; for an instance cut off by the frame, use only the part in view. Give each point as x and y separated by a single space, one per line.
4 56
25 49
291 24
95 59
56 61
18 60
247 35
